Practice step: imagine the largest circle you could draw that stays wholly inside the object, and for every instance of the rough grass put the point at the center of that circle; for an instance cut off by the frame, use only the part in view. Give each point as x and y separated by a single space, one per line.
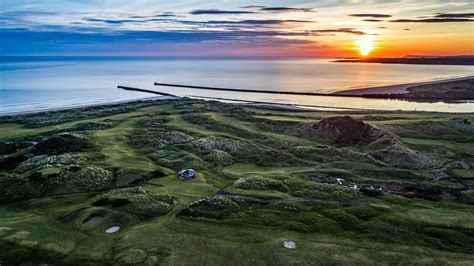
341 226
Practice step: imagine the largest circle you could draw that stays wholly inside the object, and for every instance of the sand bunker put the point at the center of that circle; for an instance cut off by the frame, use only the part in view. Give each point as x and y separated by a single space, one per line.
289 244
112 229
93 220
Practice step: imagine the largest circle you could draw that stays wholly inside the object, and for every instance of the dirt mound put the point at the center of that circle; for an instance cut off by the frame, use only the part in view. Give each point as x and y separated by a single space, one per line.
380 144
346 130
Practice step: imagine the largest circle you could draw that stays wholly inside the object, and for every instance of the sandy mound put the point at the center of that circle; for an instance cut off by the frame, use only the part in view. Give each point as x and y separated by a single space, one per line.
345 130
381 145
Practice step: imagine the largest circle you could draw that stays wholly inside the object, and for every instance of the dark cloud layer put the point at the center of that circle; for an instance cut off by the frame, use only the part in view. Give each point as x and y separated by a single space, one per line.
9 36
257 7
113 21
440 18
373 20
167 14
454 15
369 15
134 19
280 9
218 12
340 30
286 9
247 22
433 20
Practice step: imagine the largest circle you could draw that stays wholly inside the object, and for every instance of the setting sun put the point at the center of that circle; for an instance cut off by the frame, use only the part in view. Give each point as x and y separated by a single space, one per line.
365 45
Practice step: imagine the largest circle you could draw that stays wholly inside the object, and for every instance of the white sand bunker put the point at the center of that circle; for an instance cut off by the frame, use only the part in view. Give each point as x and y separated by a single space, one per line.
112 229
93 220
289 244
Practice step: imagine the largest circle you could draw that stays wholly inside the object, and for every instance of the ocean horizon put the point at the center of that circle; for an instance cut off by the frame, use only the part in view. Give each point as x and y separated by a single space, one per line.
31 83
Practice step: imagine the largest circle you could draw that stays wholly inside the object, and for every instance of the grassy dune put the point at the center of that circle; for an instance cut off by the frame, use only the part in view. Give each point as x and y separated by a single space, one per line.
264 175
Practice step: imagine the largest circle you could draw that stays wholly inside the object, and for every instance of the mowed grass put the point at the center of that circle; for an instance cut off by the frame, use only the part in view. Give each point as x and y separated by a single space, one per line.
196 187
113 144
249 169
260 193
441 216
13 130
206 243
464 173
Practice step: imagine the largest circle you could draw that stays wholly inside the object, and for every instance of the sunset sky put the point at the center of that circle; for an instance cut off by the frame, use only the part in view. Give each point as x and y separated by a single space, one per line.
237 28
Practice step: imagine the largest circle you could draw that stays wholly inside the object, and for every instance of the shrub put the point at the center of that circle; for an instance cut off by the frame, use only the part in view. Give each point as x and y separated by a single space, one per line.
345 219
363 212
61 144
212 208
11 162
45 161
261 183
137 202
370 192
12 147
86 126
85 179
157 138
318 223
466 197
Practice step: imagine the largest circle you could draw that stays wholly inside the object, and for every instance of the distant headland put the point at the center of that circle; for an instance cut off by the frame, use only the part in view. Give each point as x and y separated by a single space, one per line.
467 60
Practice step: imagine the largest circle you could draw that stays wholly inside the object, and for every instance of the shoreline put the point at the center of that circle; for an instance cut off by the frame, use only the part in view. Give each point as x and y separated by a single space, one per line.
53 109
361 92
394 89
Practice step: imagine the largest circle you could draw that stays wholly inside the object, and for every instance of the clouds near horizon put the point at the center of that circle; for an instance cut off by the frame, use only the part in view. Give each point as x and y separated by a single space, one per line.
286 27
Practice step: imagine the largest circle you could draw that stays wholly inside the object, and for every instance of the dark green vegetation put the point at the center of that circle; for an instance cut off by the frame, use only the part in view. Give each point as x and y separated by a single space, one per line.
348 187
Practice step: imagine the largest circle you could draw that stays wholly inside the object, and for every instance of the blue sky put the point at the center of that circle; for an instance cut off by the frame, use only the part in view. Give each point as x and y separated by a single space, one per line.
320 28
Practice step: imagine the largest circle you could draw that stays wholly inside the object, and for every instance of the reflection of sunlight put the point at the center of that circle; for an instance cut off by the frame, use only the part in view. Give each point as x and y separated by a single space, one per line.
365 44
362 77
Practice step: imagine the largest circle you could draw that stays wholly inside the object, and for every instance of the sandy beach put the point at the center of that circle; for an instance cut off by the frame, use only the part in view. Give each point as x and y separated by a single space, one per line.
394 89
86 105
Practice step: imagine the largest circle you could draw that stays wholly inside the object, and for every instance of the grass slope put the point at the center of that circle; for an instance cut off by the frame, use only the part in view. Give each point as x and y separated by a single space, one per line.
260 181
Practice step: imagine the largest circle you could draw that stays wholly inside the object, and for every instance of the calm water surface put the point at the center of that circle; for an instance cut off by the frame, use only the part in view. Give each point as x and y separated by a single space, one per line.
28 84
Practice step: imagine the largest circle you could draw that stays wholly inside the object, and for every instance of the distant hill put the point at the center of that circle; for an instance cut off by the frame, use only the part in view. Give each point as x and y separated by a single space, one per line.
420 60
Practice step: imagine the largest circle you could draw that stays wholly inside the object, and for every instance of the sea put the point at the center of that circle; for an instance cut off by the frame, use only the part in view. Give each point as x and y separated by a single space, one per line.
39 83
